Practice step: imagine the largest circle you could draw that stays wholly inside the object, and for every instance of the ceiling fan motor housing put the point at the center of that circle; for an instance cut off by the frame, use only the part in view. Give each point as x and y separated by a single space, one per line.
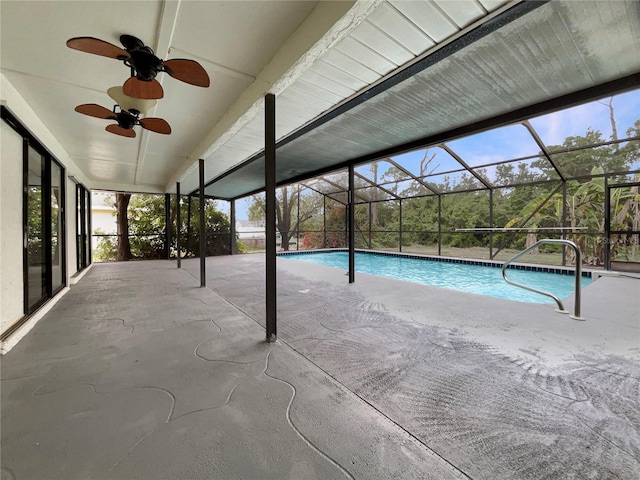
126 119
130 42
146 64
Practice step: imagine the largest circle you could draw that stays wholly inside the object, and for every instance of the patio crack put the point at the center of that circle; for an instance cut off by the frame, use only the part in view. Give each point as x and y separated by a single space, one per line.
605 371
23 376
9 473
226 402
195 352
169 420
124 324
36 392
438 345
212 320
573 400
295 429
610 442
307 338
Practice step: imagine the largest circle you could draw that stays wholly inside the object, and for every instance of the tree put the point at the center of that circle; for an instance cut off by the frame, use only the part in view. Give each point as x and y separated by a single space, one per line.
217 229
140 220
586 210
288 218
332 232
395 175
464 210
373 204
575 159
122 223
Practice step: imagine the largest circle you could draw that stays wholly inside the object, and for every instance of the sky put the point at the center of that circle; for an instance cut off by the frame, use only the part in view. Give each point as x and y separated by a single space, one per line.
512 141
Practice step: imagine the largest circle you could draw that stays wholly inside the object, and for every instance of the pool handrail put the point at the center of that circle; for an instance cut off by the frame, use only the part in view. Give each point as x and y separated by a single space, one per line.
578 274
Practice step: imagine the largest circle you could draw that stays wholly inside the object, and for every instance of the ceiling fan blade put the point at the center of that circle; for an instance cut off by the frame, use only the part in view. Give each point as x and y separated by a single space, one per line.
157 125
136 88
118 130
188 71
97 47
97 111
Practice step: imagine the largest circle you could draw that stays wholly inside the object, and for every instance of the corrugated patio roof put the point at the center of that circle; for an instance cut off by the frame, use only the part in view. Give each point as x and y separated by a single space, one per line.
531 59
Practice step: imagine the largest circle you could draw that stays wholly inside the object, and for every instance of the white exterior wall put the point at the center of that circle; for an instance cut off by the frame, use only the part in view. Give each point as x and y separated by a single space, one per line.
11 274
103 212
103 218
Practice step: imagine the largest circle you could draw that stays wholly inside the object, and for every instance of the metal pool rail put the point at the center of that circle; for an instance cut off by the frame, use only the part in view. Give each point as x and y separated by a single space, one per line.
578 274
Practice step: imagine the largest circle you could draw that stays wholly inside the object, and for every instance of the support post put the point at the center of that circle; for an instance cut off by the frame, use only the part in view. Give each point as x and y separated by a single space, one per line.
400 228
350 226
298 222
324 221
439 225
607 228
203 233
564 220
270 206
370 221
89 228
167 225
178 225
491 223
190 244
232 213
346 225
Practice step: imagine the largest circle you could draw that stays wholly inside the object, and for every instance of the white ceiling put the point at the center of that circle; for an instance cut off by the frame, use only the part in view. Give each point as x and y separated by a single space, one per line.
232 40
314 56
311 54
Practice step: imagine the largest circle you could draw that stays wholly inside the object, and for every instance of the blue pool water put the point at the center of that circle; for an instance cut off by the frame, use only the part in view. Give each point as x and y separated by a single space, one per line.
457 276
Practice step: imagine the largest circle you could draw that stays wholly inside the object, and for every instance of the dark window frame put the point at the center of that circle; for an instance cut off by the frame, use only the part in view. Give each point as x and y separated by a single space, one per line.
30 141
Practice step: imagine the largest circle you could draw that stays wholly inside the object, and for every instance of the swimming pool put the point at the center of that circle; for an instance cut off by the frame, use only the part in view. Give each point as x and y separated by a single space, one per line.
466 277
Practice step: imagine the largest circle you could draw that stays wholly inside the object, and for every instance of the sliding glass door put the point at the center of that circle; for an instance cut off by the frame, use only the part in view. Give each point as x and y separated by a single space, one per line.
57 228
36 258
43 226
83 227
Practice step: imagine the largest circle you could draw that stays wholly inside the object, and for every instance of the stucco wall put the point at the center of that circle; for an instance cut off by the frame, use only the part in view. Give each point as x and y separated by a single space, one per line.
11 283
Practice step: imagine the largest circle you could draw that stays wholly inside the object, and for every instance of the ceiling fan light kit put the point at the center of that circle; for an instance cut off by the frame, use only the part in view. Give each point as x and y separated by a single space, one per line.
139 92
127 102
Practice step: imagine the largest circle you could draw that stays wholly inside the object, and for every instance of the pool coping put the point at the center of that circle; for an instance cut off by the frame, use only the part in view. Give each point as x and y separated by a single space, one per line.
588 273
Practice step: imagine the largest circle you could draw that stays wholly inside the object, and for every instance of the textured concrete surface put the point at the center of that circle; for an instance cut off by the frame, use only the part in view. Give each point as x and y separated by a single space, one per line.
139 373
499 389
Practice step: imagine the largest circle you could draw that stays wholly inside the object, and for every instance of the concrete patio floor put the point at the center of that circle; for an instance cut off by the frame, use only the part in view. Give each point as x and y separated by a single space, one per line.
139 373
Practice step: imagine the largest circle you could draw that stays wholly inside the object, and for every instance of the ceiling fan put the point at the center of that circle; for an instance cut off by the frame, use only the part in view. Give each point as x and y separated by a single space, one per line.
144 65
126 113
